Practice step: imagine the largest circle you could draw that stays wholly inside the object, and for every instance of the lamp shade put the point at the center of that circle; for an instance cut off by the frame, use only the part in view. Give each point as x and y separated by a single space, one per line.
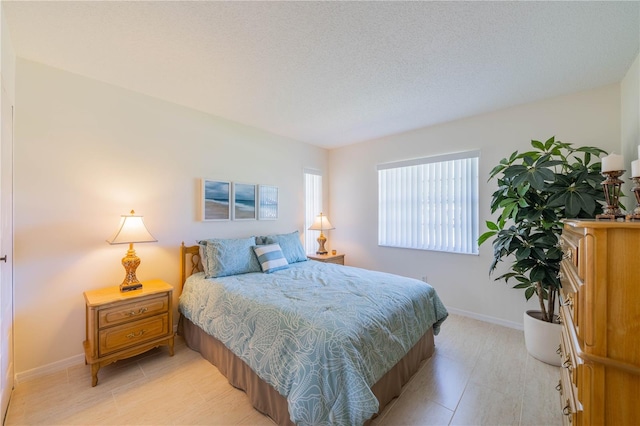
321 223
131 230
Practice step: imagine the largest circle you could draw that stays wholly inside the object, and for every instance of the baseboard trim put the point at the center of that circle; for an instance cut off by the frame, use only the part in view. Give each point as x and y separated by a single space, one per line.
54 367
486 318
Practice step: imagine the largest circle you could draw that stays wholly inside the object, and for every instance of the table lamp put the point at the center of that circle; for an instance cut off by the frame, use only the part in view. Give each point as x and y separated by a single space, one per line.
321 223
131 230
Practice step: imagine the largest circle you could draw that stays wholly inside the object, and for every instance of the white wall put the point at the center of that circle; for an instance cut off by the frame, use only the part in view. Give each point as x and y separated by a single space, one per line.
87 152
586 118
8 58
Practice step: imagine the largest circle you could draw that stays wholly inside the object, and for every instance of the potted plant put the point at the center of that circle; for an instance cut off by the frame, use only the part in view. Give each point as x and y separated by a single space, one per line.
536 190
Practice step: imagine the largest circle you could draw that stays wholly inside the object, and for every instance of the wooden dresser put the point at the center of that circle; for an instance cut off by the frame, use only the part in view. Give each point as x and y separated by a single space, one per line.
600 313
121 325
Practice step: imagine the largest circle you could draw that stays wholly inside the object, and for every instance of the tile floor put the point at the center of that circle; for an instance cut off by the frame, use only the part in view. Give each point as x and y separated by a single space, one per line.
480 374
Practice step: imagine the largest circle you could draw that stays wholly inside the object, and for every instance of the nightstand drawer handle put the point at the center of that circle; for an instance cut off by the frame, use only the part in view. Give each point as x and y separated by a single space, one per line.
134 335
141 311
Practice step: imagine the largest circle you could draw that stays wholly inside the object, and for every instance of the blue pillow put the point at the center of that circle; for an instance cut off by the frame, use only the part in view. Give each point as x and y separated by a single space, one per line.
231 256
270 258
290 245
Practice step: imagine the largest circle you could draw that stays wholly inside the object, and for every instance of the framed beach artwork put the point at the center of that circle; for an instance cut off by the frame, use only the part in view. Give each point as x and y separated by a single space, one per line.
244 201
216 200
267 202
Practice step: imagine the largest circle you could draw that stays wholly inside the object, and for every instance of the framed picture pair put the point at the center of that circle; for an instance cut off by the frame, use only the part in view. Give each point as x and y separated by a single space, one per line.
223 200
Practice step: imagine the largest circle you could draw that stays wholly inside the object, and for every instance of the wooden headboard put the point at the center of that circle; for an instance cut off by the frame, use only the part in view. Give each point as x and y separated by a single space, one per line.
190 262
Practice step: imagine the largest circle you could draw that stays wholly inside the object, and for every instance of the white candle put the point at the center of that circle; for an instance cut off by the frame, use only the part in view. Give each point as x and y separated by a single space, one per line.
612 162
635 168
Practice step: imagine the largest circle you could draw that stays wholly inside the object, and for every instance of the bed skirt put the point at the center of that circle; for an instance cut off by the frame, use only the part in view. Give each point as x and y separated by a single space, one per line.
266 399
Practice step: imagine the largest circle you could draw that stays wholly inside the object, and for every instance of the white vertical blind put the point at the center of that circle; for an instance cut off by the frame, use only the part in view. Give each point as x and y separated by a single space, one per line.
313 207
430 203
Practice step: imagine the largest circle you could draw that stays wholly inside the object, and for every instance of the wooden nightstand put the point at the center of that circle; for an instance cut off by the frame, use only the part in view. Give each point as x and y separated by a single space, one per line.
328 258
121 325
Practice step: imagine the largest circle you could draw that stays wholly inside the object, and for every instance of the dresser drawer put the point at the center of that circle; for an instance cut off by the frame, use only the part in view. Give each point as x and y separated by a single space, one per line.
133 333
569 293
569 359
570 245
568 402
139 309
571 366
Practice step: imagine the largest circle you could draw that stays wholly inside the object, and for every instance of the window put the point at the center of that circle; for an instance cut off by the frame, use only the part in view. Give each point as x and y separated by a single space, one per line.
430 203
313 207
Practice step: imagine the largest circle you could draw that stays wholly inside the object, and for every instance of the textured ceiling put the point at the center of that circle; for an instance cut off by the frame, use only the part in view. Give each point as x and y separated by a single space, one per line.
334 73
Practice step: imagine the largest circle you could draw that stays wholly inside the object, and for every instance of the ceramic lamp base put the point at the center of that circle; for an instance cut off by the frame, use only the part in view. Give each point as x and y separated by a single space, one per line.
130 263
321 241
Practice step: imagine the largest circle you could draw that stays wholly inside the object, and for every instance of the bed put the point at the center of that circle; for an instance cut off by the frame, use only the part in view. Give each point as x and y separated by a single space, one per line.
309 342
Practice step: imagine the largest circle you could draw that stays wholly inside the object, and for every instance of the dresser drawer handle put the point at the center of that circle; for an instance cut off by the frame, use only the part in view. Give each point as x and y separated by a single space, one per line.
134 335
568 255
567 363
559 386
567 410
568 302
559 350
140 312
561 275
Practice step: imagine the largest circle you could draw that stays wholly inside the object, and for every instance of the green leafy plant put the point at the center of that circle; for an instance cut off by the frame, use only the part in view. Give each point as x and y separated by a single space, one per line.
537 189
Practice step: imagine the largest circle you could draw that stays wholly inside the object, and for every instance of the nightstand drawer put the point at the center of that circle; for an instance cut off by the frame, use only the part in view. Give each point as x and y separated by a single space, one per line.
133 333
132 311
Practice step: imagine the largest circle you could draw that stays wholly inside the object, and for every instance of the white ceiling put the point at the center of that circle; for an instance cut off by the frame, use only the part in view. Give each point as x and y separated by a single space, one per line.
333 73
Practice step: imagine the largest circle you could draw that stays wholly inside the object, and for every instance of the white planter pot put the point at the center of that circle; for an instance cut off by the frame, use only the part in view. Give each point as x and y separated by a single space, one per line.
542 338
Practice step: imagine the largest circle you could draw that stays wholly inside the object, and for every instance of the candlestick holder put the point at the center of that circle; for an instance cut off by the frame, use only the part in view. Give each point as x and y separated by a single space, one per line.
636 190
611 186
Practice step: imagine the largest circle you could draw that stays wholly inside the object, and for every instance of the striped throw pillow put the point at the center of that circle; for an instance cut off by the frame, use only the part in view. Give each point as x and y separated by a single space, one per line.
270 258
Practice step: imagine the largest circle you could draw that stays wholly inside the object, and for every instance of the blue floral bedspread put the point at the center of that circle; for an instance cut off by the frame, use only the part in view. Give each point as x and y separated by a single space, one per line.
321 334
